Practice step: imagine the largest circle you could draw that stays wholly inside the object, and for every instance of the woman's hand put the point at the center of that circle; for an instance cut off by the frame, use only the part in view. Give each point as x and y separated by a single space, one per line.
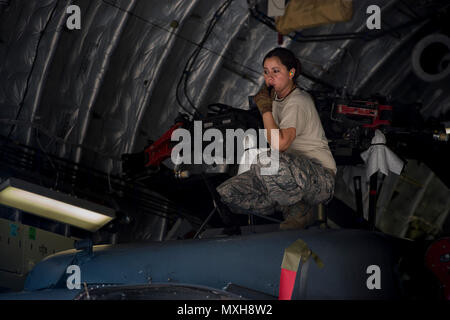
264 99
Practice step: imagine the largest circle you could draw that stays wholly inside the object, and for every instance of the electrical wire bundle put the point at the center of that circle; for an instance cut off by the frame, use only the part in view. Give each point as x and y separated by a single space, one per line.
363 35
184 79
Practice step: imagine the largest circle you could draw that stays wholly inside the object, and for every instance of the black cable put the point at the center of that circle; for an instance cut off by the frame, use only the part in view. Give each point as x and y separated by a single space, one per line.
189 65
50 159
24 161
52 137
179 36
26 158
200 46
32 68
404 12
192 59
369 36
263 18
178 98
408 8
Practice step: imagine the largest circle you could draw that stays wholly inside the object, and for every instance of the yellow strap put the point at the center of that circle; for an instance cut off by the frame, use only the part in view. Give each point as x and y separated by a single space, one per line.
296 251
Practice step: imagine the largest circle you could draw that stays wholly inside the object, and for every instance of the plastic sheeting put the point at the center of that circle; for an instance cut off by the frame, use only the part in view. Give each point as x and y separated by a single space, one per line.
108 88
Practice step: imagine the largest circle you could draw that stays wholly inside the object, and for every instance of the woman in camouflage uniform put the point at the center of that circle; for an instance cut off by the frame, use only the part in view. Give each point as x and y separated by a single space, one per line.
307 169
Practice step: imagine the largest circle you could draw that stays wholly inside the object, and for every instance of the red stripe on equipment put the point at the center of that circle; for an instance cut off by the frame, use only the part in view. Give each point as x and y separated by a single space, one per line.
287 282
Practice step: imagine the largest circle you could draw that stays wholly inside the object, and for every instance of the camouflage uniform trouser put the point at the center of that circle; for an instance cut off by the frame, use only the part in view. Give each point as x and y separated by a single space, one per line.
299 178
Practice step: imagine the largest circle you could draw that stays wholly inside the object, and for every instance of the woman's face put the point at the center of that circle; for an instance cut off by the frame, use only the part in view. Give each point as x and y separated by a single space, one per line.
276 74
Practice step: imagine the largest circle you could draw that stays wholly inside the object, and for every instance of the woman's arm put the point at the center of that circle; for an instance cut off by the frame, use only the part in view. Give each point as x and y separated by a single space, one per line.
264 102
286 136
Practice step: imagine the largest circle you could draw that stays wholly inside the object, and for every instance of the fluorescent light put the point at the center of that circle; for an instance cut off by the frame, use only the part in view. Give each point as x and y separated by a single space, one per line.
54 205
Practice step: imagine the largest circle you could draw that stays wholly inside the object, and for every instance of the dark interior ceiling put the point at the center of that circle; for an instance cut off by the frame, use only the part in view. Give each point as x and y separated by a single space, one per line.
82 98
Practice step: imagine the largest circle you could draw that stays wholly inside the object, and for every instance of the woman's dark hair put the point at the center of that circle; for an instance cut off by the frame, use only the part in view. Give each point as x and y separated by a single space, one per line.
287 58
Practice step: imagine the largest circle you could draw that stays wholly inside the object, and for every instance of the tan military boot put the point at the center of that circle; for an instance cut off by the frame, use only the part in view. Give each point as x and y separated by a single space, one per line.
300 216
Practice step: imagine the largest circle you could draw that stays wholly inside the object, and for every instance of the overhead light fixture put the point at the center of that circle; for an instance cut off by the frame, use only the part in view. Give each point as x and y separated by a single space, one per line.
54 205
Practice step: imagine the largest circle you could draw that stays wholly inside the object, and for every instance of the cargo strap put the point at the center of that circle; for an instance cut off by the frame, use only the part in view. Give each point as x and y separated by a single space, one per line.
293 255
